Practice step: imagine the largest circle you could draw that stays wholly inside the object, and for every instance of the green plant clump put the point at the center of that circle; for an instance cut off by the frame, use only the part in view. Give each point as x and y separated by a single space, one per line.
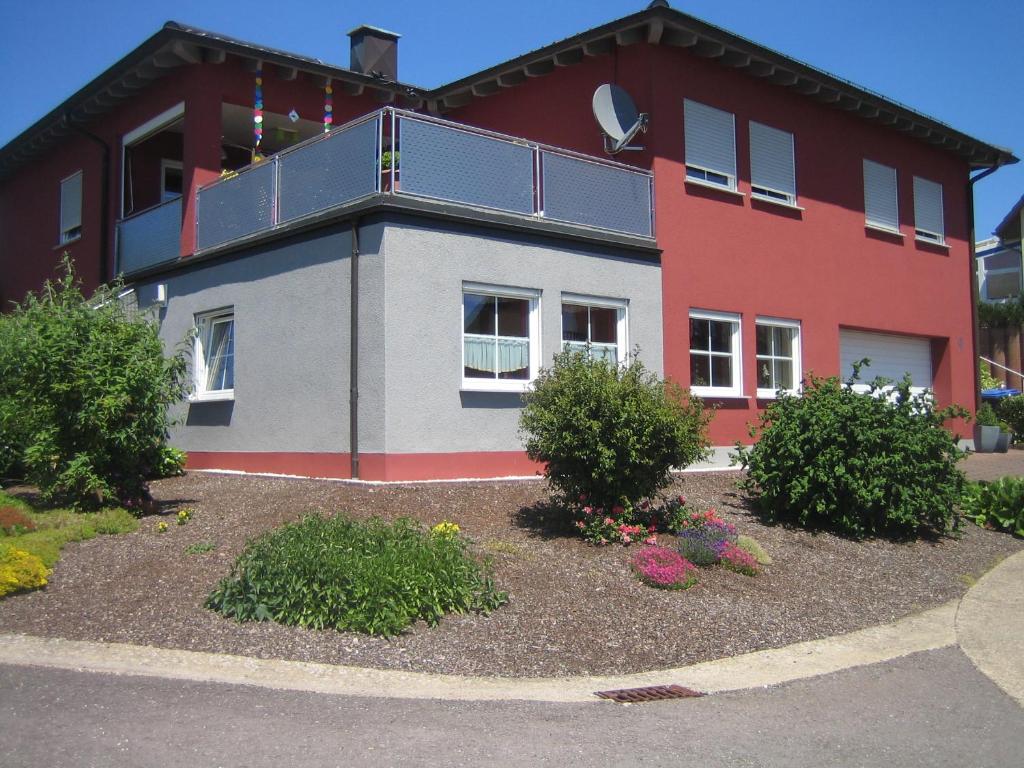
608 434
999 504
1011 410
871 464
986 416
84 393
371 577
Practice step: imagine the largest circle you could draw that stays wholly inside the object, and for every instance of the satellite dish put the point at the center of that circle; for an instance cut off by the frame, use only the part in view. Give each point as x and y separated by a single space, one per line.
616 113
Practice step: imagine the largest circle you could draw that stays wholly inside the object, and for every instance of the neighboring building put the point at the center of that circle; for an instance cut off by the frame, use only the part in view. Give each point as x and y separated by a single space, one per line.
999 269
358 317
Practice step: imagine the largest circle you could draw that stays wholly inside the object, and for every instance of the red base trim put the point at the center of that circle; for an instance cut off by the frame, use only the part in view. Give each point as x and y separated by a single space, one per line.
372 466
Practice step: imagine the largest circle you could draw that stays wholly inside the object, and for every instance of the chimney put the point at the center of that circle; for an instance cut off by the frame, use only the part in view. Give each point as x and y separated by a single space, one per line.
374 52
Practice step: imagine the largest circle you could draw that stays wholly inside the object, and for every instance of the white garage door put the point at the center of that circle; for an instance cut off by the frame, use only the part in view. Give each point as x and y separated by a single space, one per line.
891 356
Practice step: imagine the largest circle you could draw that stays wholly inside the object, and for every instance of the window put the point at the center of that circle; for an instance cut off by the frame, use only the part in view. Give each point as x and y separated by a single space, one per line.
171 176
599 323
500 337
710 145
214 360
778 356
71 208
772 168
880 207
928 219
715 354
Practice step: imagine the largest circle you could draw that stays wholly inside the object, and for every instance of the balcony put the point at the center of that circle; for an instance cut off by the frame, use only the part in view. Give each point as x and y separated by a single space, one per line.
149 238
434 160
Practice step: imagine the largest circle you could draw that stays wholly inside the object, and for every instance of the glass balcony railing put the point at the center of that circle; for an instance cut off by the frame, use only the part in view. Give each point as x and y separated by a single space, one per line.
403 154
149 238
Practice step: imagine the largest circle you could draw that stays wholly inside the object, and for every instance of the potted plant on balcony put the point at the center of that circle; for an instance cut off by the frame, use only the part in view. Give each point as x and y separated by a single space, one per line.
386 160
986 429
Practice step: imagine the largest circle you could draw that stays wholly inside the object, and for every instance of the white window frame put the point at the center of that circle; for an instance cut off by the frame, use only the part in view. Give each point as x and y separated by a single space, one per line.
927 235
703 174
165 163
736 353
203 323
795 359
875 169
73 232
622 323
144 131
501 291
772 194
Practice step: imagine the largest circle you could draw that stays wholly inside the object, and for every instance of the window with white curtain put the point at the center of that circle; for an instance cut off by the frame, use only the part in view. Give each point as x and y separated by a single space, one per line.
715 369
929 223
881 209
595 325
71 208
772 166
710 138
214 359
500 337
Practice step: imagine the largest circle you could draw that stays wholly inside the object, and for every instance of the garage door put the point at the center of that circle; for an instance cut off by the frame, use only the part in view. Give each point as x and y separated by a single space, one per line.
891 356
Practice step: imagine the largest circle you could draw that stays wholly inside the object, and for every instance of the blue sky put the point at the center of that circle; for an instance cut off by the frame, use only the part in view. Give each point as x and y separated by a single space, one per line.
961 61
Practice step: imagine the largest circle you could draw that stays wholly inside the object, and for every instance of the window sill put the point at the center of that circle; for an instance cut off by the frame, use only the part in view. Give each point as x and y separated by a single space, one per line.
514 388
780 203
66 243
932 243
717 187
213 397
884 230
710 394
772 394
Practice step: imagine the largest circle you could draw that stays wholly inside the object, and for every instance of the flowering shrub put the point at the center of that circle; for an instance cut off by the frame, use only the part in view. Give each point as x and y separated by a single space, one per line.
736 559
445 528
699 548
184 515
20 570
663 568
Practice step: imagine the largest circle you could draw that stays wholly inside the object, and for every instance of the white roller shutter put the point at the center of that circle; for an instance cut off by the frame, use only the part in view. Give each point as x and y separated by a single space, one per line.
710 138
70 205
771 159
891 356
880 206
928 220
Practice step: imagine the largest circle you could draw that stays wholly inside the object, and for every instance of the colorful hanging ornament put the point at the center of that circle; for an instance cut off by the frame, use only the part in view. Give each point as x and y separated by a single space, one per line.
293 116
328 106
257 112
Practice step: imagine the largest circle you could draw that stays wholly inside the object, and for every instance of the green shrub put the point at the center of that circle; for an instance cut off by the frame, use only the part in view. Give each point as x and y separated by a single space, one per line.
170 462
1001 314
609 435
988 381
1011 410
370 576
997 505
753 546
20 570
84 393
859 464
986 416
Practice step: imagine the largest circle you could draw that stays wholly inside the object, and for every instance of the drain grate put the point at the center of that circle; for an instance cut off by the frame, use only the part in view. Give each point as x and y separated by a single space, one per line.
650 693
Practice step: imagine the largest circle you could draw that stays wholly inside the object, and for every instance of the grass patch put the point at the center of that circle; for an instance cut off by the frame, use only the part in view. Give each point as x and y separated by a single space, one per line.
499 547
367 576
200 547
57 527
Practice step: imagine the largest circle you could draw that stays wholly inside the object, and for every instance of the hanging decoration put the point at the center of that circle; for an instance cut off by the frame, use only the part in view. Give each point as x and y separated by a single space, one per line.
293 116
257 112
328 106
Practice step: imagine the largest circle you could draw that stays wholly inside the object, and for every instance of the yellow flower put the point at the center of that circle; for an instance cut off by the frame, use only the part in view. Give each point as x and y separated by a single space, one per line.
445 528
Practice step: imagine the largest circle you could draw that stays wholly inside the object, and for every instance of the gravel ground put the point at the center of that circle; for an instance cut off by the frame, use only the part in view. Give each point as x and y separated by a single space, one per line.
574 609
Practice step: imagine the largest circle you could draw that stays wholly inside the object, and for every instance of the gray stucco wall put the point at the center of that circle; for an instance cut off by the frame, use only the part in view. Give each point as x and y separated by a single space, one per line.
291 305
426 266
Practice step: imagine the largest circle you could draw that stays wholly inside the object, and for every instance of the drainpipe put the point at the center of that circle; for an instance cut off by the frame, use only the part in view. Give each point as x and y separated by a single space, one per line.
353 362
975 327
104 200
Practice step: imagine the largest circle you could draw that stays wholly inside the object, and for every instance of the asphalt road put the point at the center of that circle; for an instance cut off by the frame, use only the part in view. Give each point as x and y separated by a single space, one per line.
929 709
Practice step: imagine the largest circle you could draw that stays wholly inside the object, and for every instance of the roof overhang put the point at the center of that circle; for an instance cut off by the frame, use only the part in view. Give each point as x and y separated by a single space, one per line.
1009 228
661 25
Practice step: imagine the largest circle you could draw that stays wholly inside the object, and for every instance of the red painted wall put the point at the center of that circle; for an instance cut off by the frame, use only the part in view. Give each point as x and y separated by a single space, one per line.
30 198
721 252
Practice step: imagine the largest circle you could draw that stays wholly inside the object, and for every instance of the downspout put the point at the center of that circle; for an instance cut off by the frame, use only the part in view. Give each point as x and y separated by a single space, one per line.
975 326
353 343
104 200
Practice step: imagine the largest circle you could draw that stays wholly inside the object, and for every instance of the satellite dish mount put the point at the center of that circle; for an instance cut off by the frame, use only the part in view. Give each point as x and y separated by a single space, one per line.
616 113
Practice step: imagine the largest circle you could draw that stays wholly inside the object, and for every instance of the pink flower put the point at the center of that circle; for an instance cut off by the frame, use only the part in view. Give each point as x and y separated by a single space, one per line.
609 521
645 504
583 497
625 538
682 499
651 540
652 528
580 525
588 510
617 510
